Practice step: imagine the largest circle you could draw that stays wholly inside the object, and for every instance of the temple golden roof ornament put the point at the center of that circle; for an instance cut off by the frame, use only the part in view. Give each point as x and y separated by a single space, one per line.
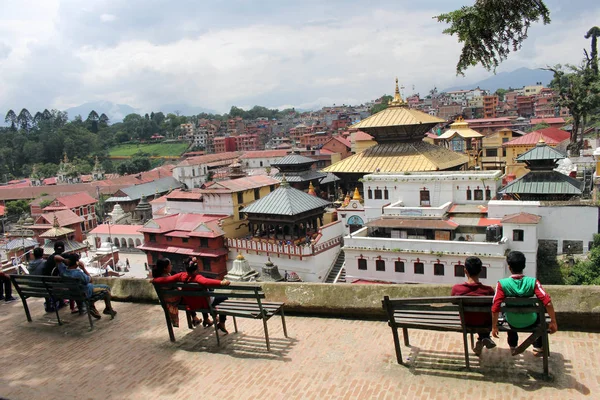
311 189
541 142
397 101
55 223
240 257
357 195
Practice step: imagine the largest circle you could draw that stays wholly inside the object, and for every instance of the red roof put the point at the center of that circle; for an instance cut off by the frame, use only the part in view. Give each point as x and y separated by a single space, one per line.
521 218
50 181
200 225
360 135
2 210
184 250
343 141
264 153
210 158
65 218
552 136
555 120
103 229
77 200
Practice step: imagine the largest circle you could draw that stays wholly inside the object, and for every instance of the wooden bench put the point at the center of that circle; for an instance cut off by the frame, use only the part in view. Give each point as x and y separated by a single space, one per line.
251 305
55 287
447 314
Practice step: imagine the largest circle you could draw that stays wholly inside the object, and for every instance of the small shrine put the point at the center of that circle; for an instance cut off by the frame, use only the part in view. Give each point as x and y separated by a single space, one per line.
286 214
298 171
236 171
270 273
241 271
58 233
98 171
542 182
142 212
118 216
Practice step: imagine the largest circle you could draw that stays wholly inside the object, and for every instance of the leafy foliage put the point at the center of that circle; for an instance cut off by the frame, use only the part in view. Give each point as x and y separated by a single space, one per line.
385 99
586 272
17 208
491 29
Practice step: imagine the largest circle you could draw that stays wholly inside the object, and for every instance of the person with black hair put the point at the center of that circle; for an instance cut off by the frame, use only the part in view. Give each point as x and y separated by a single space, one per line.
193 303
519 285
472 287
162 269
72 261
36 267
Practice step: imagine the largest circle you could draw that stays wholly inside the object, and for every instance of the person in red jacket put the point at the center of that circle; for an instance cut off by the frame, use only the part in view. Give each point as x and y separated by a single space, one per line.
192 303
472 287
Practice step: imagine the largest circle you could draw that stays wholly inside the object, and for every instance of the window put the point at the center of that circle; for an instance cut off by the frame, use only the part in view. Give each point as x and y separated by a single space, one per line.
261 163
203 242
377 194
256 194
505 139
518 235
362 264
169 239
483 273
488 194
503 152
379 265
271 188
424 195
478 194
370 194
491 152
468 194
459 270
240 197
386 194
399 266
151 237
184 240
419 268
438 269
205 264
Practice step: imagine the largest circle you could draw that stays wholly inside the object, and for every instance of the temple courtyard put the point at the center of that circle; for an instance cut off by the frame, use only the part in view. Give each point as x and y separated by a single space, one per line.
324 358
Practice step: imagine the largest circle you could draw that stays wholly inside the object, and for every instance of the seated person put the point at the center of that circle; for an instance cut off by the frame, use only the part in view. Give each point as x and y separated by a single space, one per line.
472 287
192 275
519 285
162 270
5 288
73 271
37 265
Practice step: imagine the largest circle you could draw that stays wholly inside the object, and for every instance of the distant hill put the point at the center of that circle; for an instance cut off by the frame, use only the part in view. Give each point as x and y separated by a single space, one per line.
185 109
515 79
115 112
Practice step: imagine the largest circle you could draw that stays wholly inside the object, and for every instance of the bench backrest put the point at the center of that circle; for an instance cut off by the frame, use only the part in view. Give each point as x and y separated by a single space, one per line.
49 286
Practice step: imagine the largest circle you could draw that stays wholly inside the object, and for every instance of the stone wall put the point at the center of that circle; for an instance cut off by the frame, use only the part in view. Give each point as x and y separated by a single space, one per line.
577 307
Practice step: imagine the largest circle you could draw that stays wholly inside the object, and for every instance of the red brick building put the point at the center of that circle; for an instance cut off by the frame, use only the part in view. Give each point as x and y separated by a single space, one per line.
66 219
489 106
181 236
236 143
338 144
82 204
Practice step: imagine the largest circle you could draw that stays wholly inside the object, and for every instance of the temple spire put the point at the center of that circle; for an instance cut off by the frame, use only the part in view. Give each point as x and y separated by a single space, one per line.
397 101
357 195
311 189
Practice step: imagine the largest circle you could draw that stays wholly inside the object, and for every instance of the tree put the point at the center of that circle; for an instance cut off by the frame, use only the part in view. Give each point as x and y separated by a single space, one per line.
17 208
92 121
593 34
24 119
103 121
586 272
491 29
385 99
501 93
12 118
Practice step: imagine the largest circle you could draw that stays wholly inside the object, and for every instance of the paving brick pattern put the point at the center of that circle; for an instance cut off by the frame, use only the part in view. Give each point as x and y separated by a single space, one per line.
324 358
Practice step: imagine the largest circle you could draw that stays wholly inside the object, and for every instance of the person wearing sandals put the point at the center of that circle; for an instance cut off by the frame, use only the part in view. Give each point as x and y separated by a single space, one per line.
192 303
72 261
162 269
519 285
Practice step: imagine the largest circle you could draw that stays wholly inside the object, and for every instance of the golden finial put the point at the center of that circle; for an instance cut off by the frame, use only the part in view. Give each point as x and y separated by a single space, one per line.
397 101
240 257
311 189
55 223
284 182
541 142
357 195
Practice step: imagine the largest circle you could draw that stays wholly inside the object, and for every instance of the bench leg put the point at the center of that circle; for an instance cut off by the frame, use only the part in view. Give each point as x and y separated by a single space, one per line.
546 348
235 324
169 324
188 316
397 343
88 305
266 334
283 323
466 345
472 340
56 311
405 336
216 329
26 307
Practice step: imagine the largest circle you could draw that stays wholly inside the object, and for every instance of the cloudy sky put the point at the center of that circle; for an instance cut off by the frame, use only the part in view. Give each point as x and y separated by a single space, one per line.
218 53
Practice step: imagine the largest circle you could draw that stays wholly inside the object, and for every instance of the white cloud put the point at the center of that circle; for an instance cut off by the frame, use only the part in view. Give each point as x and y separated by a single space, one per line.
107 17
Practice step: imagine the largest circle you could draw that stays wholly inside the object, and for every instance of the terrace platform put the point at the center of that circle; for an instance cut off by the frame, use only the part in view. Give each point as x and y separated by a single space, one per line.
324 358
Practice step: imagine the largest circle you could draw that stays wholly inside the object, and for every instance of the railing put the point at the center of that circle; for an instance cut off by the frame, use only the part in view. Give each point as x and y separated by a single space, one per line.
342 269
290 250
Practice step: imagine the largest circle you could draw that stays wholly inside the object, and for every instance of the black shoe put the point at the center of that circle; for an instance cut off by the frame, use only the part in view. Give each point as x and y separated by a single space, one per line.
9 299
94 313
110 312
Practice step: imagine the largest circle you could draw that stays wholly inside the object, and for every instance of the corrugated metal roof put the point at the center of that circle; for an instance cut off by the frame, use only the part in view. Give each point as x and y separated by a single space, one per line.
20 243
293 159
543 182
303 176
541 152
551 136
400 157
285 200
161 185
397 116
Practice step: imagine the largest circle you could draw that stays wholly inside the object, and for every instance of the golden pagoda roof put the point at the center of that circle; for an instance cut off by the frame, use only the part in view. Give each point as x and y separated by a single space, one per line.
397 114
461 128
400 157
56 232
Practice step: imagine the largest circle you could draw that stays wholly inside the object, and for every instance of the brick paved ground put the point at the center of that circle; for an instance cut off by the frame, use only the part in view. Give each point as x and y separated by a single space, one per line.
132 358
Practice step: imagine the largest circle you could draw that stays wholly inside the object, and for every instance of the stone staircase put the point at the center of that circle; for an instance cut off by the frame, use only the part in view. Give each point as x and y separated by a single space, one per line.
339 263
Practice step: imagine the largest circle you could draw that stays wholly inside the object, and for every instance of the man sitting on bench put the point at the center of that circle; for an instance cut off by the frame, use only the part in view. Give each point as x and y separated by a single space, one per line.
519 285
472 287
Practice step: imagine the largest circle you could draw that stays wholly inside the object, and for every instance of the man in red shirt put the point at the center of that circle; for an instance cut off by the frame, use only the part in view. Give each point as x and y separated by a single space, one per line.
472 287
